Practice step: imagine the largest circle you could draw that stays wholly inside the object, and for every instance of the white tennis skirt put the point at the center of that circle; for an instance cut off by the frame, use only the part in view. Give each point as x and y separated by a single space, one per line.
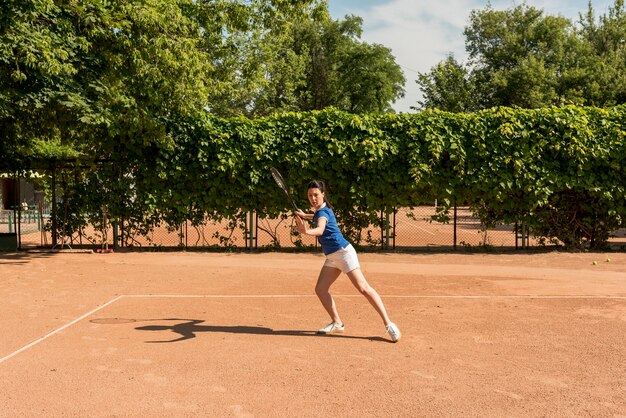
345 259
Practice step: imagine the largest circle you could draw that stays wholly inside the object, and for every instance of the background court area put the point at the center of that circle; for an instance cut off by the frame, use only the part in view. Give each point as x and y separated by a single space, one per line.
232 335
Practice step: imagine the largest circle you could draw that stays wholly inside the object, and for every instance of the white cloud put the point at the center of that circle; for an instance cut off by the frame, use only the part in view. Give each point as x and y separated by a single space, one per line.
421 33
419 37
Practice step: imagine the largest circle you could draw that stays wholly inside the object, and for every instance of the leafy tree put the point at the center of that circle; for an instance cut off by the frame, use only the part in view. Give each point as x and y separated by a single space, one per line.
606 55
522 57
255 69
92 78
271 56
370 79
342 71
447 87
518 55
39 58
104 79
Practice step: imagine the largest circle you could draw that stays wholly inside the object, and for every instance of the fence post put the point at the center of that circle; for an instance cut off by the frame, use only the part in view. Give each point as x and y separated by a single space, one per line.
246 232
116 235
18 224
387 229
454 232
256 229
10 223
54 207
43 240
122 231
382 230
394 227
250 231
521 234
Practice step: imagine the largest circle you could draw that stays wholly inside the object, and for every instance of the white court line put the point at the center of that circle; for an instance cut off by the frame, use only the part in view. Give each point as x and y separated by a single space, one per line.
26 347
388 296
507 296
219 296
69 324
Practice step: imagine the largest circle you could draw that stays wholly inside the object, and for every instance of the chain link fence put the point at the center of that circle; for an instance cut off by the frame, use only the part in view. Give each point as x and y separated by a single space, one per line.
29 225
405 229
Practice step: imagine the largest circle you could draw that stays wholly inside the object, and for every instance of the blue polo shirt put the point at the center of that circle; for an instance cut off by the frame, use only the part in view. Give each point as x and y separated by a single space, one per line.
331 239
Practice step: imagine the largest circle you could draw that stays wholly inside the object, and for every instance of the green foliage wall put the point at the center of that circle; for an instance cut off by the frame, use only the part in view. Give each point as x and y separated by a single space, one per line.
559 170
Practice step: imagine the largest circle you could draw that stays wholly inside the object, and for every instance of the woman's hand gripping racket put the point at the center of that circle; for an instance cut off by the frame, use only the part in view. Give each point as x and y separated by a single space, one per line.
281 183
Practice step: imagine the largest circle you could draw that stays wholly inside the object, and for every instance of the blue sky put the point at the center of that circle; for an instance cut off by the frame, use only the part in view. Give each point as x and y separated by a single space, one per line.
422 33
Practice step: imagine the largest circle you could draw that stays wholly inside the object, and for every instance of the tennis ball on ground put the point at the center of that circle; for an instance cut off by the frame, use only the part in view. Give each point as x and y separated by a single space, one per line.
608 260
594 263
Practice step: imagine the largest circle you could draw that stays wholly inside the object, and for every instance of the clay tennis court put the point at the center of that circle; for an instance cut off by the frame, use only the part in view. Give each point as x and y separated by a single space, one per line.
232 335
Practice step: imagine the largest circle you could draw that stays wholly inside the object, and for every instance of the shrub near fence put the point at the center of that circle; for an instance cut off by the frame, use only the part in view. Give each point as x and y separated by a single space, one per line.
558 171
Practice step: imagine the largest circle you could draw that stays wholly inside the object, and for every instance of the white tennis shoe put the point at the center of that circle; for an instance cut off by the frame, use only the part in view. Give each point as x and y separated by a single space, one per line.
331 328
394 332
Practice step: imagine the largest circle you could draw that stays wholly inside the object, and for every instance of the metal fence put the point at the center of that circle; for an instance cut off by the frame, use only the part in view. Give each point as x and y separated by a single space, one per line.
30 226
21 222
404 229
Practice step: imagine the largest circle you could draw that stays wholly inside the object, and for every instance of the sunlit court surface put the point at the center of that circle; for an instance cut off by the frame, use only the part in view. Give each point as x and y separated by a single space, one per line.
233 335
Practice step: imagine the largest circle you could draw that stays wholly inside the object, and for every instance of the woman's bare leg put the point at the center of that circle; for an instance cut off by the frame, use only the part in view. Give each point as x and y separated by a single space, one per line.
327 277
358 280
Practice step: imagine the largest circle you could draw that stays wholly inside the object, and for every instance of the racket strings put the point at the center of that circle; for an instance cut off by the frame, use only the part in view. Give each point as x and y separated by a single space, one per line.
278 178
280 182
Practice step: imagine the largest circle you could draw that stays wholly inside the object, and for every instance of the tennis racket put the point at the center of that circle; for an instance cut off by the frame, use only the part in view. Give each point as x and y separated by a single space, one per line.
283 186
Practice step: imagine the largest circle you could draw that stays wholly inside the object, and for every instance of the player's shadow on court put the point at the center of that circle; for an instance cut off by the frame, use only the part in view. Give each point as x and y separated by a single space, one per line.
191 327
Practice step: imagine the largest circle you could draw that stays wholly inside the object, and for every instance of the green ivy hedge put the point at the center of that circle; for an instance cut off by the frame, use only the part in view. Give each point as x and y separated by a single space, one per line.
560 171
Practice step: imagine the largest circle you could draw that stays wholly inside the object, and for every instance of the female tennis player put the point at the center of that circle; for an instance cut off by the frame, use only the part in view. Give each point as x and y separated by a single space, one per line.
340 257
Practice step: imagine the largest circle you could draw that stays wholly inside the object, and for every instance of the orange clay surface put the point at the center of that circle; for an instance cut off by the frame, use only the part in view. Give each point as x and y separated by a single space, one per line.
232 335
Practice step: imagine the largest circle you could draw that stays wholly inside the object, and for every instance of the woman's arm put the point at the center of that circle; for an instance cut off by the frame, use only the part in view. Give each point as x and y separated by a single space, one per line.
304 215
316 232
